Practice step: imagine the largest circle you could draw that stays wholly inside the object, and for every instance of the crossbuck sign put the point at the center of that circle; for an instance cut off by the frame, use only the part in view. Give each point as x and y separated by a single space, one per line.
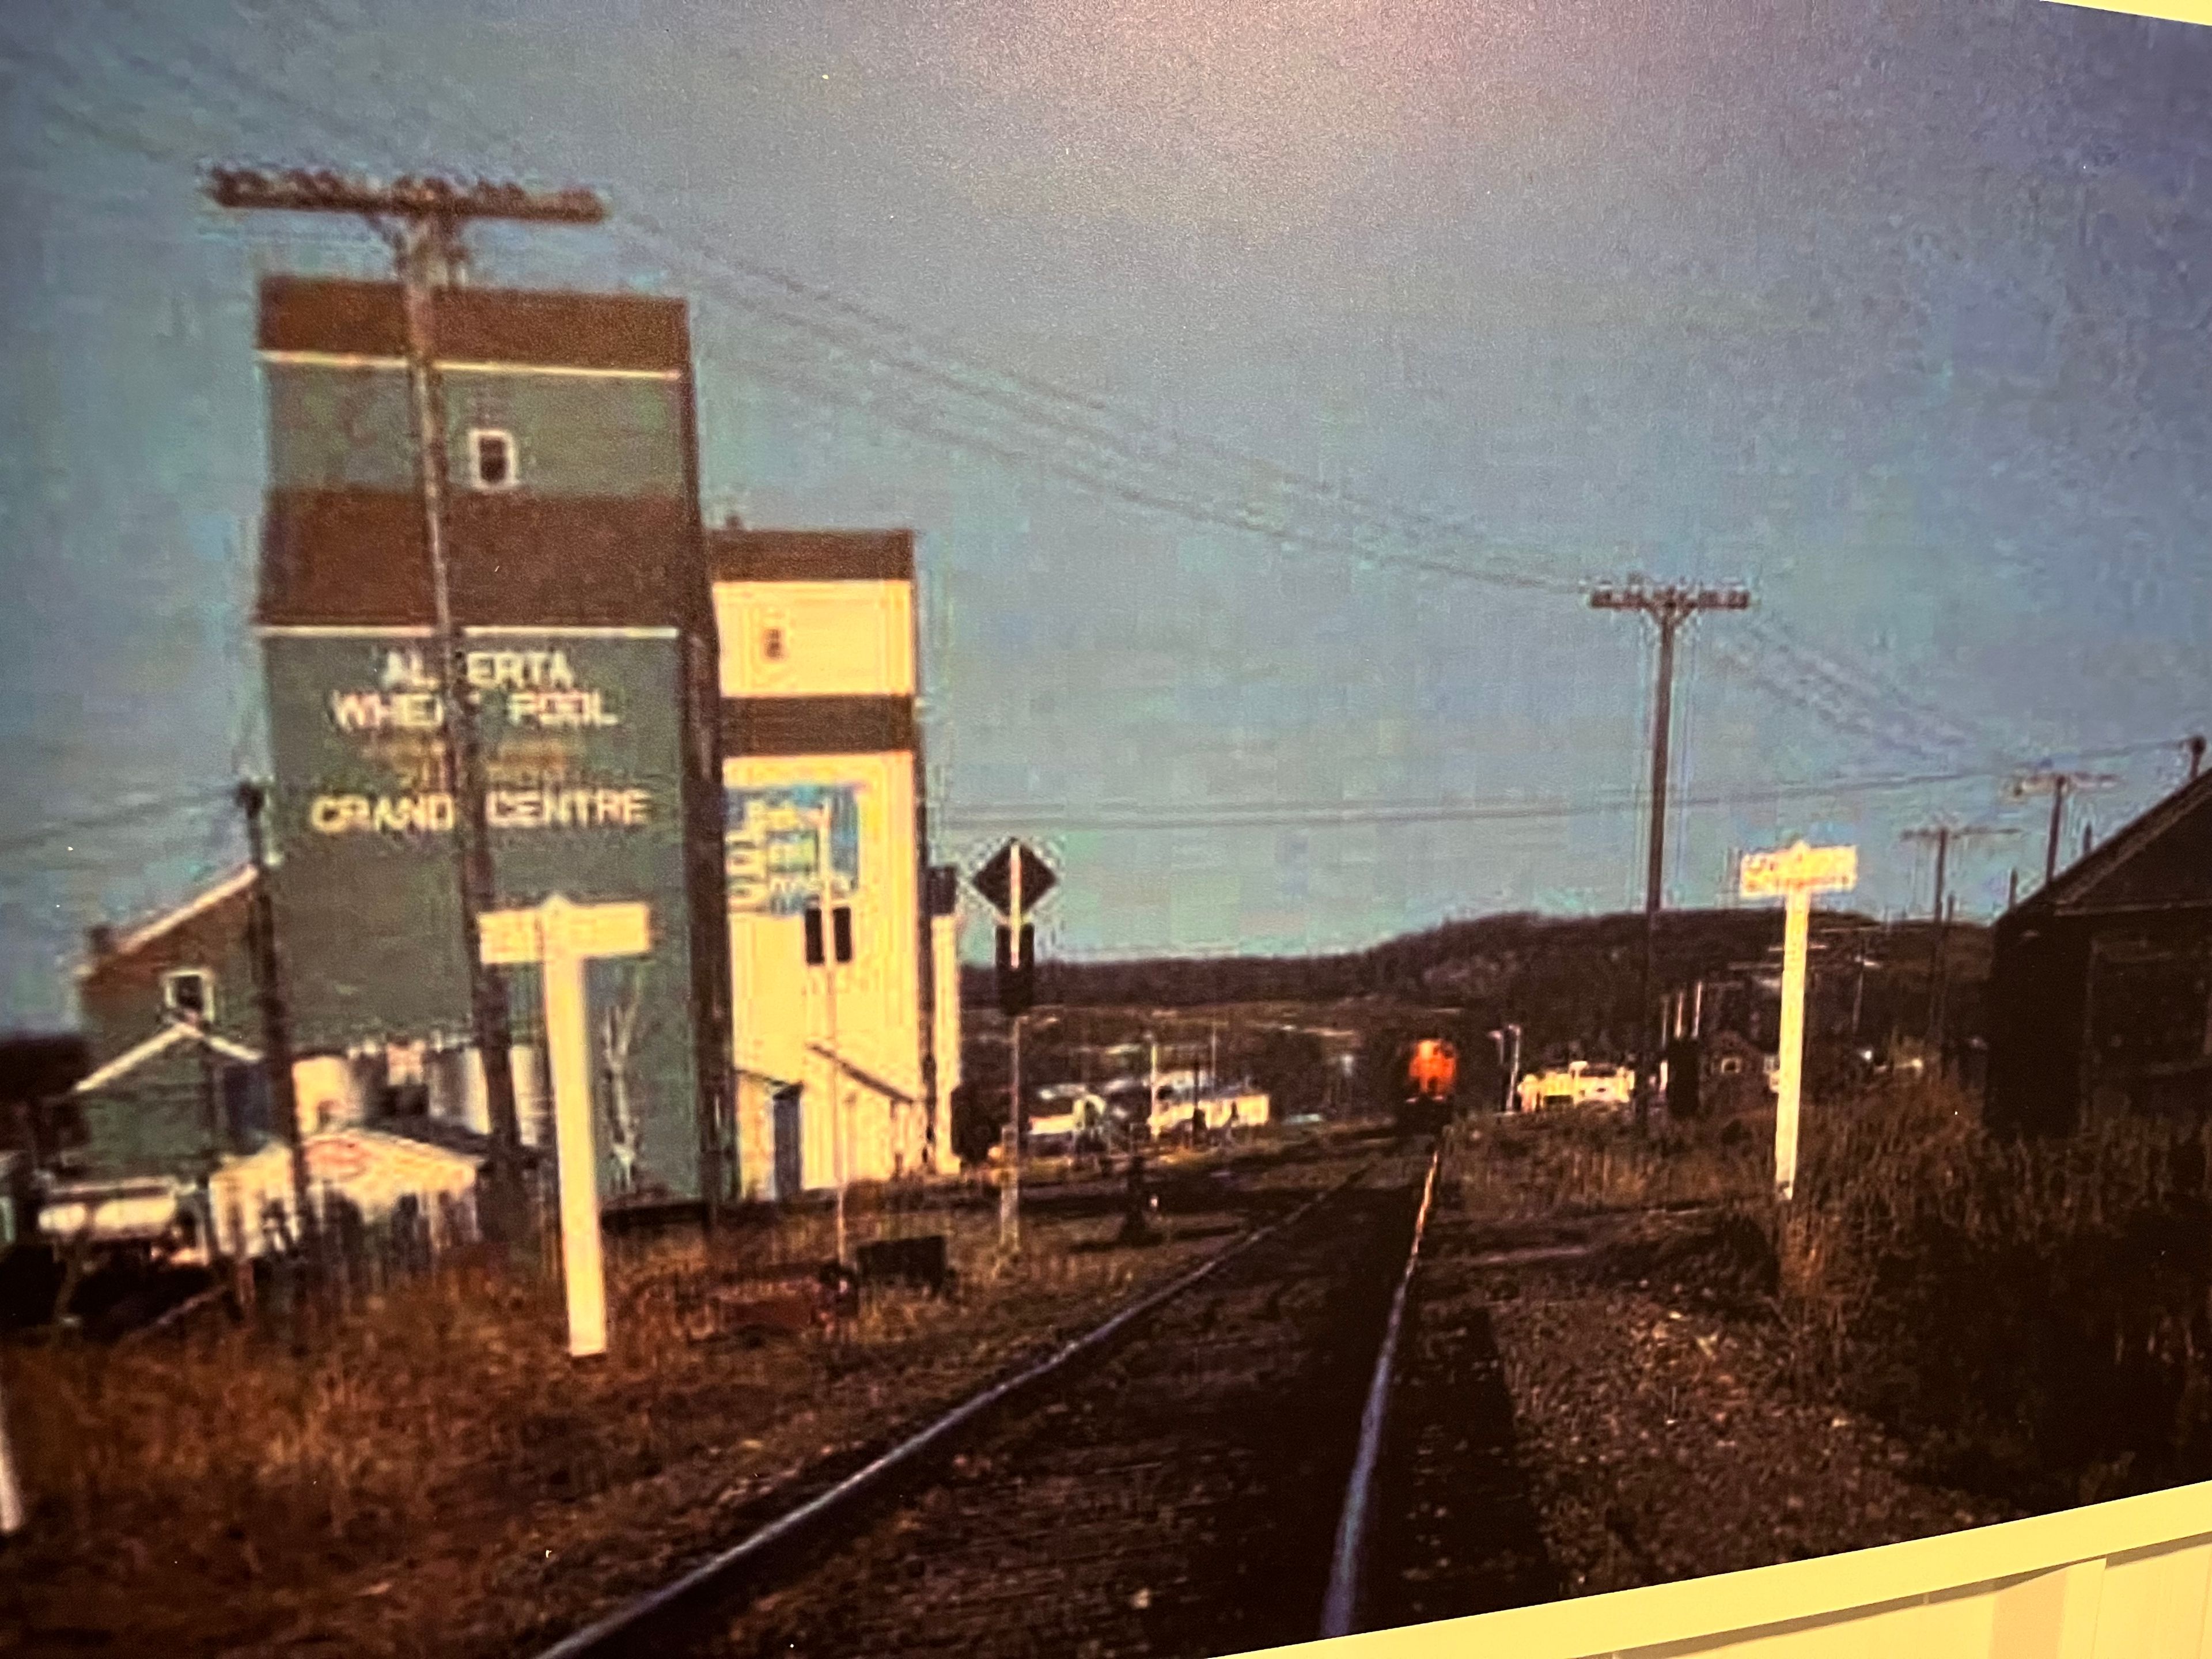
1793 875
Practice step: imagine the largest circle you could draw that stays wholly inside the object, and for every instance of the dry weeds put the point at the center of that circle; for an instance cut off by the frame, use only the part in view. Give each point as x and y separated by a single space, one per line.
2035 1316
213 1491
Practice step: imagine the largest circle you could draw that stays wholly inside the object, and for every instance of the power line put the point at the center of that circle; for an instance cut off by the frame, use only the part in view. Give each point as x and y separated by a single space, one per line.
1269 814
1031 403
125 812
1932 725
1822 702
857 337
1014 395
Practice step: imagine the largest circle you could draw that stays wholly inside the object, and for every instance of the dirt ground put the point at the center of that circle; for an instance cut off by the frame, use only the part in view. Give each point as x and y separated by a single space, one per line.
497 1496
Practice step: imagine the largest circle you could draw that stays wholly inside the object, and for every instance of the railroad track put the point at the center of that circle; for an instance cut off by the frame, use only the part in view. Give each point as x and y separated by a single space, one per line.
1176 1481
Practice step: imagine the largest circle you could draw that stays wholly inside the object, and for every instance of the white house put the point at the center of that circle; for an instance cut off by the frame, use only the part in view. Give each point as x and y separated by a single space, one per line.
375 1169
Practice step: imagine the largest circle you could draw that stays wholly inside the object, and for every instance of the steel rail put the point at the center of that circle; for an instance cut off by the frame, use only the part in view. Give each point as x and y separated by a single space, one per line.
604 1635
1340 1605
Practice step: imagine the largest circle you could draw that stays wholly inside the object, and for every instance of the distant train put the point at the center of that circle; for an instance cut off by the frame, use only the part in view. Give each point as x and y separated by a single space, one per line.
1431 1086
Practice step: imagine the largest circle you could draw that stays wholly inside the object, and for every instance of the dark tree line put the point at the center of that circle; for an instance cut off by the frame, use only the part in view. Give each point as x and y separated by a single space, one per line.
1571 983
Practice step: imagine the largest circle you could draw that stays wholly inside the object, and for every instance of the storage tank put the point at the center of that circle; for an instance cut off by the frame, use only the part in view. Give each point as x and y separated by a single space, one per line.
329 1090
454 1080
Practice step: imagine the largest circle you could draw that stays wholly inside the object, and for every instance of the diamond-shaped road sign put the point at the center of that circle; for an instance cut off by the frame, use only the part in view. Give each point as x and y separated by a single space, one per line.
994 881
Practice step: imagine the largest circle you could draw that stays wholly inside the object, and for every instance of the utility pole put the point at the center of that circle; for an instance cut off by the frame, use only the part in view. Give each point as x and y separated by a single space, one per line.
2196 755
423 221
2057 784
1943 835
1670 604
275 1024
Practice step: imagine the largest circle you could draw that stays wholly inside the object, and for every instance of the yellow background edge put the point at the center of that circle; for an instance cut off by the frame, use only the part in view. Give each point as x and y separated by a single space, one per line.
1827 1589
2172 11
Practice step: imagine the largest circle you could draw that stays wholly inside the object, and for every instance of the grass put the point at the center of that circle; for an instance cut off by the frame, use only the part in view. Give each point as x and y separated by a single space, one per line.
2035 1317
1571 1162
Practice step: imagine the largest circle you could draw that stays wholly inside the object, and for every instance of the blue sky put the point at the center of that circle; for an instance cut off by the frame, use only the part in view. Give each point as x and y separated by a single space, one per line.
1895 309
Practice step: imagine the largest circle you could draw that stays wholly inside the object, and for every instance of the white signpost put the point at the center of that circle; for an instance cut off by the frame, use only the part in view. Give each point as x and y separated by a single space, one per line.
11 1489
561 938
1793 875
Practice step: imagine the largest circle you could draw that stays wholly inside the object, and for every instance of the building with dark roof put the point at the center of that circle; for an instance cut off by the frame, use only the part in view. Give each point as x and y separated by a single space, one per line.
2099 1000
174 1040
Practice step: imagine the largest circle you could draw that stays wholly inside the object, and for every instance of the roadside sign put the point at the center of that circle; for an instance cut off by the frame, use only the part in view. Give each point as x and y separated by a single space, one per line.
609 930
510 938
561 938
1794 874
995 880
1800 869
513 938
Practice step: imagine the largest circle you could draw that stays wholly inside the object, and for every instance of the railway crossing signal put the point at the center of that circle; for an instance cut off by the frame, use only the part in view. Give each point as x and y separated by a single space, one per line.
1015 861
1017 970
1013 879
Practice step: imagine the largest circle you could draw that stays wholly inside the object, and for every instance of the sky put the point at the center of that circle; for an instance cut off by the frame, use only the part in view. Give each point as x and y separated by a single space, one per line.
1266 383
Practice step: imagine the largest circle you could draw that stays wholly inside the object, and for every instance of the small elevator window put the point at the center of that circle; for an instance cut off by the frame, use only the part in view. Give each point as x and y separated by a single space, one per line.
188 994
491 458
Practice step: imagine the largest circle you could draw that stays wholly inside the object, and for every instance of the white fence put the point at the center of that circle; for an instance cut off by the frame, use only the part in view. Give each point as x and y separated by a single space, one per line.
2124 1580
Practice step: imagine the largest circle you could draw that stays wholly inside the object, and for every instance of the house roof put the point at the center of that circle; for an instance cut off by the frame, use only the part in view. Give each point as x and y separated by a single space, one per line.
167 1037
447 1140
231 887
2160 859
866 1080
440 1133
